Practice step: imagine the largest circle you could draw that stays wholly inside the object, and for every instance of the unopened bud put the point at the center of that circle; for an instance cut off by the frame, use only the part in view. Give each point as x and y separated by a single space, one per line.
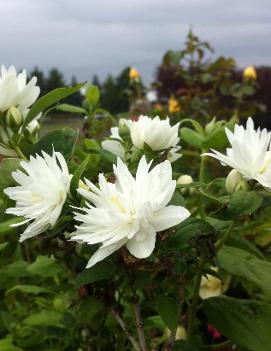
242 186
184 180
209 128
14 117
232 181
124 130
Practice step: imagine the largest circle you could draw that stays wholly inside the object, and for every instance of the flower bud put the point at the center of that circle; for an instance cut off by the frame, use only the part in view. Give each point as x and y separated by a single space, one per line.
14 117
124 130
183 180
250 73
209 128
242 186
134 74
232 180
173 105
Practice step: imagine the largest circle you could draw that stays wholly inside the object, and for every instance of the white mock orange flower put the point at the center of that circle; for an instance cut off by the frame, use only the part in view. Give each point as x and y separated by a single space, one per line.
41 193
15 91
249 153
129 212
211 286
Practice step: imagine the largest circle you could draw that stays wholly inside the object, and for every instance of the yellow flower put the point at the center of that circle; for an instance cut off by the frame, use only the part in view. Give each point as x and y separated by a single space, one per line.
134 74
250 73
173 105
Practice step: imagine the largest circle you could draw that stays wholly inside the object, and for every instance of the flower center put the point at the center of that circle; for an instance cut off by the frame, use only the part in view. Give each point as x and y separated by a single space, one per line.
116 201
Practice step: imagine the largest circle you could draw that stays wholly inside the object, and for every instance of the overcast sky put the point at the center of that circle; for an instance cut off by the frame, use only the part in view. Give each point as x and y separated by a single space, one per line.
84 37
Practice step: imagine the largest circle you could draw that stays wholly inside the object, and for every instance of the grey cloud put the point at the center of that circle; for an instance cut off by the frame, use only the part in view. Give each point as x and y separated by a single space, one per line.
85 37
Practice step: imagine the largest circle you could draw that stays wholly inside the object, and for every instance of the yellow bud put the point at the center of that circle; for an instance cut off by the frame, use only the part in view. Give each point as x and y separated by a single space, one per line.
173 105
232 180
134 74
250 73
14 117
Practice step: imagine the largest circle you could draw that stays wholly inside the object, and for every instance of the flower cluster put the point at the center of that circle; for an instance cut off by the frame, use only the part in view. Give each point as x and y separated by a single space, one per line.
249 154
16 97
129 212
157 134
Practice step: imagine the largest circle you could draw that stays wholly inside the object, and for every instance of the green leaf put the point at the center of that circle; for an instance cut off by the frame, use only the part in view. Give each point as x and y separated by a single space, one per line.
7 166
5 226
50 99
243 203
191 137
95 148
71 109
44 318
14 270
44 267
3 246
216 140
7 345
93 95
29 289
247 266
61 140
246 323
168 309
77 176
102 270
186 231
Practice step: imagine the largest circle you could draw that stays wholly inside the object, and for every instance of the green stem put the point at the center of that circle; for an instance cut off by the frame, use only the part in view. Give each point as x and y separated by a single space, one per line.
202 167
19 152
194 305
201 180
225 237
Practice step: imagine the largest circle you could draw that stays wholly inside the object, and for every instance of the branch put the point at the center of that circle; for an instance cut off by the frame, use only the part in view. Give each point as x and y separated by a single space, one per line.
139 327
125 329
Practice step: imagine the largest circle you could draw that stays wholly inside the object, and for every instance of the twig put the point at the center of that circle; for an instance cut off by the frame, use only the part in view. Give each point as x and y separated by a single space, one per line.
139 327
125 329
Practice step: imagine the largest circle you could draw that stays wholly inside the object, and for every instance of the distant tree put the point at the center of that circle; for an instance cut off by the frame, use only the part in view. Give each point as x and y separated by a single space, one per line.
54 80
96 81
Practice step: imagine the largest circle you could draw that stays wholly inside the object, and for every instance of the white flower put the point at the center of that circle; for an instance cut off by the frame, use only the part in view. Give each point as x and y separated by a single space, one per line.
41 193
129 212
211 286
15 91
249 153
113 145
156 133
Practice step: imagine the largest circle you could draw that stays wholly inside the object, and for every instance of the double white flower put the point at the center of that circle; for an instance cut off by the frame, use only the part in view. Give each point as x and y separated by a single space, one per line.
41 193
129 212
158 134
15 91
249 153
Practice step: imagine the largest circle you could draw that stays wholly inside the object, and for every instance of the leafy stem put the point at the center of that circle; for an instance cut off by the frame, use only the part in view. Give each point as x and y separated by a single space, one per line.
194 304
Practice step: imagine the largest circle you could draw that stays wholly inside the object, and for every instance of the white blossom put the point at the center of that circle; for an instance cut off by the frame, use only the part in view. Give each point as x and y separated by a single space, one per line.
114 143
15 91
41 193
211 286
129 212
249 153
157 134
